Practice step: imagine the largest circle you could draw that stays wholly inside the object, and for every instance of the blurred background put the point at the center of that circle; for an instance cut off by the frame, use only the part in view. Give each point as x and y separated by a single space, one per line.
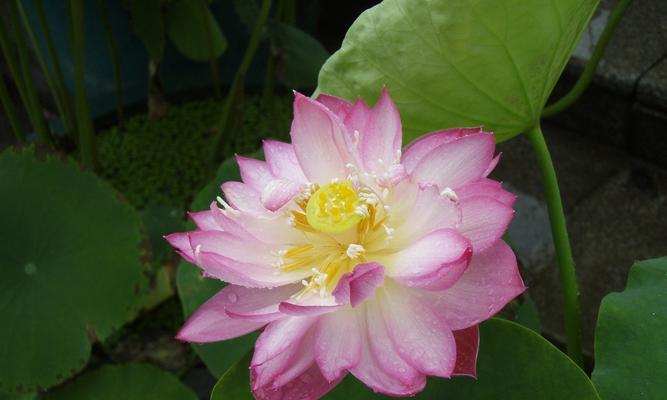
167 89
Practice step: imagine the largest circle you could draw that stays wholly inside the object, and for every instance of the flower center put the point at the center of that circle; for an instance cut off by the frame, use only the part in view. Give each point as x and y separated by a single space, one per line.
335 208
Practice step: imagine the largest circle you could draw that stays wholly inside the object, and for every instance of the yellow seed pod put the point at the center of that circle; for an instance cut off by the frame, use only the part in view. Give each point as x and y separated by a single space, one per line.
334 208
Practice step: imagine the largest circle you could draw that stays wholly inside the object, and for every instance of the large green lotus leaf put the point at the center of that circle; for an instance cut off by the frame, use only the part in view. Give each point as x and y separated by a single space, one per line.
70 271
631 336
193 29
148 24
450 63
194 289
514 363
126 382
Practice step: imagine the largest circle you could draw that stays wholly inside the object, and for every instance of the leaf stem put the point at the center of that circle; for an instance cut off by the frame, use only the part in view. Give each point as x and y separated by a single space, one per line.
587 76
84 123
221 135
10 111
115 61
561 239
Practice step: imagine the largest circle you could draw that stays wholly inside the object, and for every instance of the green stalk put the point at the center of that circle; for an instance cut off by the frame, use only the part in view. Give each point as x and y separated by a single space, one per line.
222 135
8 105
561 239
115 60
56 91
587 76
84 123
36 116
12 62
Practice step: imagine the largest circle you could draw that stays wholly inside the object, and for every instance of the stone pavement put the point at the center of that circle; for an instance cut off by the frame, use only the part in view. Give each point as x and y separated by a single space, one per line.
616 208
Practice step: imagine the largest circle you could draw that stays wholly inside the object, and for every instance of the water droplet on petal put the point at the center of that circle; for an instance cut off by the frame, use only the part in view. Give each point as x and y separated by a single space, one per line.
232 297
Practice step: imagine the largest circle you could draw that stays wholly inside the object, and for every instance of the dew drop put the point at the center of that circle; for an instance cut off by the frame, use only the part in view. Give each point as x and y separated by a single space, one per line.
30 269
232 297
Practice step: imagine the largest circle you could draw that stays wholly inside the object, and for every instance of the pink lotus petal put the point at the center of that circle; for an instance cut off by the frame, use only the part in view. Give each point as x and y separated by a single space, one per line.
210 323
422 338
491 281
357 117
312 304
319 140
243 197
233 247
241 273
456 163
429 211
227 224
181 242
282 161
338 106
491 166
486 187
279 192
204 220
467 347
434 262
279 336
484 221
356 286
284 367
380 138
311 384
337 343
254 173
371 371
384 351
414 152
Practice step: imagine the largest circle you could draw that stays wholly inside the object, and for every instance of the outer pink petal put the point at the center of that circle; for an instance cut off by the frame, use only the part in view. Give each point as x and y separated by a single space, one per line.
279 192
337 344
491 281
279 336
380 142
484 221
254 173
230 246
467 347
204 220
420 147
181 242
313 304
319 140
243 197
434 262
245 274
491 166
210 323
357 117
282 161
337 105
356 286
229 224
428 212
422 338
486 187
455 163
372 371
384 351
311 384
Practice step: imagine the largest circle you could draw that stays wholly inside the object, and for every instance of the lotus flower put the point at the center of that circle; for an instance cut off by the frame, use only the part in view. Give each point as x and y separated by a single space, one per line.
354 256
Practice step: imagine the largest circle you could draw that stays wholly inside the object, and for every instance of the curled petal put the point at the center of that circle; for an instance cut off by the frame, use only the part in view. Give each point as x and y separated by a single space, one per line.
455 163
491 281
356 286
181 242
434 262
